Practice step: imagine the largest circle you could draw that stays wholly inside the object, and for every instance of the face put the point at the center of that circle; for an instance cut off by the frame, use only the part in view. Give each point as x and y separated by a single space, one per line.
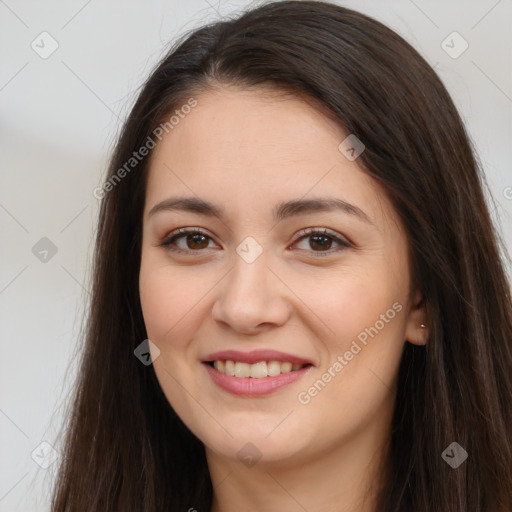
327 289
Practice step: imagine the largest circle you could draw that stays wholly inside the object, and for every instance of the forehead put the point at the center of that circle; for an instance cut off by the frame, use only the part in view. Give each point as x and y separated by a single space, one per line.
263 124
251 148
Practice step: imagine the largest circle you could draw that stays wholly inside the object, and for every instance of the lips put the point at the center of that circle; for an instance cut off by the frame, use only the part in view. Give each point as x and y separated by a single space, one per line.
254 387
257 382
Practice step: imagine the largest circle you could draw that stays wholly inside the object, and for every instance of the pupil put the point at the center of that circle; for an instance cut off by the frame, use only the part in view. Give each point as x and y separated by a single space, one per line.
321 241
323 244
194 238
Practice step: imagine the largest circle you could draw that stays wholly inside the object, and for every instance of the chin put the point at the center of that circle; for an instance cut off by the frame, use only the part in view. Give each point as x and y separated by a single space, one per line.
257 444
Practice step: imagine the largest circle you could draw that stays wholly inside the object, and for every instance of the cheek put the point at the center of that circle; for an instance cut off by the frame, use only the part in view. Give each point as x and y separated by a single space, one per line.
349 303
366 314
164 299
355 382
157 302
174 300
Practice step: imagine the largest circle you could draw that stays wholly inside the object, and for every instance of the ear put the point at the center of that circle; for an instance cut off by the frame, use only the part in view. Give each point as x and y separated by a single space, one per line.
417 316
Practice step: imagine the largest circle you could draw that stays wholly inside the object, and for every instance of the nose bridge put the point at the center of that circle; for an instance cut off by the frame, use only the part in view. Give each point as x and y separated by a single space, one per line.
249 282
250 268
251 294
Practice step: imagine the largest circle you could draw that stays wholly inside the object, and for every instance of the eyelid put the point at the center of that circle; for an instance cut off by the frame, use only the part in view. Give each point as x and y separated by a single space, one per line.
342 241
324 231
181 232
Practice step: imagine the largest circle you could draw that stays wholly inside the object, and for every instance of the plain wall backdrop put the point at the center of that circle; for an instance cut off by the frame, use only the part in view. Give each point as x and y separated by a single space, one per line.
59 115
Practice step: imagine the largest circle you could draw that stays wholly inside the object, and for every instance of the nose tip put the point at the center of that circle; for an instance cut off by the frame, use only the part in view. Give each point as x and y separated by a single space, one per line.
248 317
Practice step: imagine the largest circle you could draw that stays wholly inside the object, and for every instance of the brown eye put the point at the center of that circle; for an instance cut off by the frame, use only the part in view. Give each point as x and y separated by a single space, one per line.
194 241
321 240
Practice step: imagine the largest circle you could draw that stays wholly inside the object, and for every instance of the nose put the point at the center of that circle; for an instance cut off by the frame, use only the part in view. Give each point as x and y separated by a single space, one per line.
253 298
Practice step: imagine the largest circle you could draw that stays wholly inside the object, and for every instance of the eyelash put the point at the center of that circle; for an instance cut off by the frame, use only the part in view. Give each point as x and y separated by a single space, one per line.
305 233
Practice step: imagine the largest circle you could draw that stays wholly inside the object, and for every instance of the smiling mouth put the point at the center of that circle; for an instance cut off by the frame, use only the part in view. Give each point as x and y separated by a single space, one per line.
258 370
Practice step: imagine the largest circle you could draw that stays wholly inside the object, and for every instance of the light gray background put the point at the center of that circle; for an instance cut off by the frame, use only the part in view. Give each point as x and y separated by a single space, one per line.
58 121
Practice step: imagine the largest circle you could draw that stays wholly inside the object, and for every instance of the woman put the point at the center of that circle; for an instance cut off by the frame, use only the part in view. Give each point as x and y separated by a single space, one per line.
299 301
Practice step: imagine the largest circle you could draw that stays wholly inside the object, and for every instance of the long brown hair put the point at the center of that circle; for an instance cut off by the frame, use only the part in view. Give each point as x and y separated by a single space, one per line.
126 449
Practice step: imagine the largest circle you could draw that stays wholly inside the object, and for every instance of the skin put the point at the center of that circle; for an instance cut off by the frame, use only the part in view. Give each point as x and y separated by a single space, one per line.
246 151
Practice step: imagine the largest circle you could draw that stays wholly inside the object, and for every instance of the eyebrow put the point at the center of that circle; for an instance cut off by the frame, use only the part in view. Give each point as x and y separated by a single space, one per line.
281 211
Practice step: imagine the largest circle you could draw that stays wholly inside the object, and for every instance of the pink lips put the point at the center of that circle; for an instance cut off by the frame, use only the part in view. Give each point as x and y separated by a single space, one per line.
248 386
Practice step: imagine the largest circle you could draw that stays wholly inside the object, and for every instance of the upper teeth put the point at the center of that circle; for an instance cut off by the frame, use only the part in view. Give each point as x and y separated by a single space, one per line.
257 370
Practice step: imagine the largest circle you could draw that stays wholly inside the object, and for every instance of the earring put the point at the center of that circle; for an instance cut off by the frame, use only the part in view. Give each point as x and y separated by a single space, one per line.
423 326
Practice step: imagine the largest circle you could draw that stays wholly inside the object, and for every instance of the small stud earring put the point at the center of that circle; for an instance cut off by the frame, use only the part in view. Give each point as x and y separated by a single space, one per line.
423 326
